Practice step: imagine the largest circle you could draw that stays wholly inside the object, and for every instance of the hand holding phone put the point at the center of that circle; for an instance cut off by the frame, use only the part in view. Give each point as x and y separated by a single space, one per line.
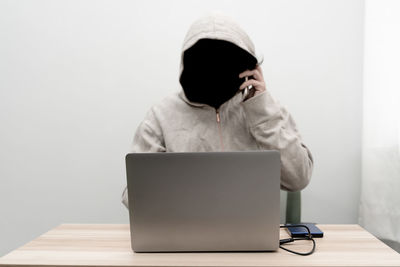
254 82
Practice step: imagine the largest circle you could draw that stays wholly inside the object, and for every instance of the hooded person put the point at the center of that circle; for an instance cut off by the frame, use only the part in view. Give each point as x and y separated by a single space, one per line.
211 112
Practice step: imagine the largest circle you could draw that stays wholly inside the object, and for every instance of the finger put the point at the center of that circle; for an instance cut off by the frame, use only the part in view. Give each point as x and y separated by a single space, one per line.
246 73
255 73
260 73
252 82
259 69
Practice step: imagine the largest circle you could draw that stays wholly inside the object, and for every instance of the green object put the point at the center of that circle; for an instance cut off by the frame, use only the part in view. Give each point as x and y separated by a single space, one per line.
293 207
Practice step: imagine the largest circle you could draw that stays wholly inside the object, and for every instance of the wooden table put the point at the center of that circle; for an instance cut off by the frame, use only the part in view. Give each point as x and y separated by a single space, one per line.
109 245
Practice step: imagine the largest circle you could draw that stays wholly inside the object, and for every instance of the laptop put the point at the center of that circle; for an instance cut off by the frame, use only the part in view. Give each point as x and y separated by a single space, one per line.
204 201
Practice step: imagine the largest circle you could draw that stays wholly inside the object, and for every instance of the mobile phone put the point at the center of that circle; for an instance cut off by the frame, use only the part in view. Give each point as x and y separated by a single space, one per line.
298 231
249 91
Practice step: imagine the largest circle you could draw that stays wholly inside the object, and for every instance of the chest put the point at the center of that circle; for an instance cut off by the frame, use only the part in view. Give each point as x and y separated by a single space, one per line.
208 130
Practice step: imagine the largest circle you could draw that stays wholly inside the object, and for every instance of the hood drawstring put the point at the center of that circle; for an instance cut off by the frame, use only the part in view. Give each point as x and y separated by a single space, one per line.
219 129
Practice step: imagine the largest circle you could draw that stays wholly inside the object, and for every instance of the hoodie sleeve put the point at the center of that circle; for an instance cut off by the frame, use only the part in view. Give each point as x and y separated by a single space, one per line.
148 138
274 129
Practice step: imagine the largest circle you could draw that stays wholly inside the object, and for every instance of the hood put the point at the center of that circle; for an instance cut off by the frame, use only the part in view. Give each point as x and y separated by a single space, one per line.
215 26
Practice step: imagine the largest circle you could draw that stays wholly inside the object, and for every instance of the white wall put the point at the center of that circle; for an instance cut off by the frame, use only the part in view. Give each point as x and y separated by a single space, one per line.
78 76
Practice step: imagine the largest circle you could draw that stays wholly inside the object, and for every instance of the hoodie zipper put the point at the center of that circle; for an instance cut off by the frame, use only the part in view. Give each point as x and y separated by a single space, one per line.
219 129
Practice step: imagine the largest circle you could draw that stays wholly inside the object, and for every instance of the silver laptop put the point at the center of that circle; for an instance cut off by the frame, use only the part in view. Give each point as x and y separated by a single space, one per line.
204 201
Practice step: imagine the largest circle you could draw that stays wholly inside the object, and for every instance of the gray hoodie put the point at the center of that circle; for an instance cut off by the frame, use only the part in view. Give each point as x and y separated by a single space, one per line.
259 123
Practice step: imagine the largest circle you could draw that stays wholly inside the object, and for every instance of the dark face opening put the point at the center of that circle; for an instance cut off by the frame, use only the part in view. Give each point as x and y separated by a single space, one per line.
211 71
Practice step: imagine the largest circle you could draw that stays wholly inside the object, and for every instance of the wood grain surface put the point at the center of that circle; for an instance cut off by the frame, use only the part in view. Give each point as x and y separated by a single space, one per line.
109 245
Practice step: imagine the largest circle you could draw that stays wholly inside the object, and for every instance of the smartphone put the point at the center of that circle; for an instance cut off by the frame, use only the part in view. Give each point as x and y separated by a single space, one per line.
301 231
249 91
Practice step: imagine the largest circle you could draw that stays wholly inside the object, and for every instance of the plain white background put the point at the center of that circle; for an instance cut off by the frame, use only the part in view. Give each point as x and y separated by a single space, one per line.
78 76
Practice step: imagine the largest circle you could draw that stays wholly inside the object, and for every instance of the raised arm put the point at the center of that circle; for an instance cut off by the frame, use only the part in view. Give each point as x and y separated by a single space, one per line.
274 129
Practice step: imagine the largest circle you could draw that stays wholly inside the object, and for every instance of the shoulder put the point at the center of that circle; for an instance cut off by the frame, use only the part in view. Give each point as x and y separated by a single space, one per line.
169 104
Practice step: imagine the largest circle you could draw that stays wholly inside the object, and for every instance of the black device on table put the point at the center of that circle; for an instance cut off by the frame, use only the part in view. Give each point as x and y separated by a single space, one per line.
298 231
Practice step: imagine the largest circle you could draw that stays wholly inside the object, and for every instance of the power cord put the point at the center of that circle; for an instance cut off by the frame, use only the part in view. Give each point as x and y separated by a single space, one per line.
292 239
